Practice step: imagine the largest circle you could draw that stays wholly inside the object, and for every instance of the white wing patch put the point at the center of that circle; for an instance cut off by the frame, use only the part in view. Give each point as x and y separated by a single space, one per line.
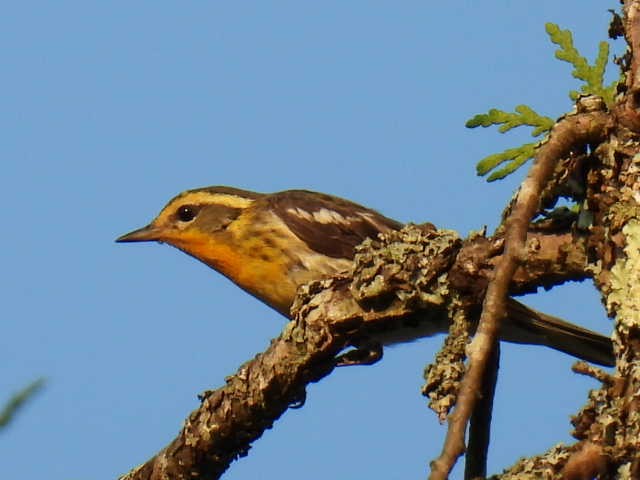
331 216
300 213
326 216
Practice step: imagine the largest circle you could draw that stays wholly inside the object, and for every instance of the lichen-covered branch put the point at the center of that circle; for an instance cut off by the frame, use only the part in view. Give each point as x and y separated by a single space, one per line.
571 132
608 426
328 319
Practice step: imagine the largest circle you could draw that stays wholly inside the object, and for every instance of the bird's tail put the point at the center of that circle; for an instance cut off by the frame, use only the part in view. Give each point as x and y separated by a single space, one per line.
526 325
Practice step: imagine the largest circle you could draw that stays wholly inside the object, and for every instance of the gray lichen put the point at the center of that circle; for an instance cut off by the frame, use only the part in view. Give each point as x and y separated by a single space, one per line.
443 376
406 265
624 297
544 467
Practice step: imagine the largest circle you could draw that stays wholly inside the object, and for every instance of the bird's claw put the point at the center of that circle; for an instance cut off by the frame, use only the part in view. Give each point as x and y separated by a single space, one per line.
364 354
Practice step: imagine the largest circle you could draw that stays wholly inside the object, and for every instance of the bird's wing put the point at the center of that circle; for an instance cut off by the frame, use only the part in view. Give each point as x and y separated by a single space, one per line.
329 225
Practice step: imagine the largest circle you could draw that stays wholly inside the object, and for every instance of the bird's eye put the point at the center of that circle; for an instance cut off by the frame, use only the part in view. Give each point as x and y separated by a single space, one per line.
186 213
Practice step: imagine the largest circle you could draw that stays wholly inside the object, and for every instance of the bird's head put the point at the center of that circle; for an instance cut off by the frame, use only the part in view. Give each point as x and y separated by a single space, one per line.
191 218
208 224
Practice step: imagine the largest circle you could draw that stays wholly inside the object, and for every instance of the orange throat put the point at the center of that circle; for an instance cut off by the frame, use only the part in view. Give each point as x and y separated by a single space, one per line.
251 267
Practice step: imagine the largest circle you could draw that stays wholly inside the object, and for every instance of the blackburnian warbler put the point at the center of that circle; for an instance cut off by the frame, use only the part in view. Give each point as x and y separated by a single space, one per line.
270 244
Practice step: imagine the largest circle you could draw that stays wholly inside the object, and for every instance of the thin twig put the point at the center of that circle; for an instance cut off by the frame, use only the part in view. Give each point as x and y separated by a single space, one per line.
571 131
475 465
583 368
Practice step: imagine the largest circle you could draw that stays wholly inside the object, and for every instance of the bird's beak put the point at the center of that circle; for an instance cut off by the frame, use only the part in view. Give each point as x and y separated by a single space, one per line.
149 233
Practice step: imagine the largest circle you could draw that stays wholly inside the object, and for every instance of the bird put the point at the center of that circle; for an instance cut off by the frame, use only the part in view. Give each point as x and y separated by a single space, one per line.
269 244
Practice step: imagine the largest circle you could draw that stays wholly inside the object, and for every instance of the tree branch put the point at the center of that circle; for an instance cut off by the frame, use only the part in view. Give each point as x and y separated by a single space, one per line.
626 110
570 132
480 424
631 11
328 319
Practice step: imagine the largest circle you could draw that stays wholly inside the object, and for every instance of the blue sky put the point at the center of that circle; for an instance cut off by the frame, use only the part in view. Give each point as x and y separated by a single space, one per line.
110 108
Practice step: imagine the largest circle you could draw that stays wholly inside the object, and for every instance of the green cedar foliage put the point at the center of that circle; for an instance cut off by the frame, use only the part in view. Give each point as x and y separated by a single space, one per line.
18 400
499 165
